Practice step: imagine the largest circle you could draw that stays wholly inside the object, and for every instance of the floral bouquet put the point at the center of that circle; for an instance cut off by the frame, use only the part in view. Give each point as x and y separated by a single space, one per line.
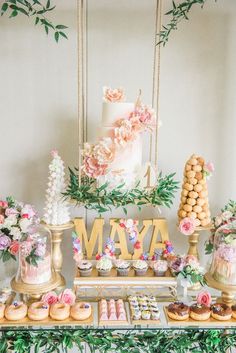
16 219
187 269
226 217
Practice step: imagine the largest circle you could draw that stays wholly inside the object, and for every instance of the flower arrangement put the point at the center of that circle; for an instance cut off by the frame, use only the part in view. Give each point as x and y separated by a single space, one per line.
77 250
187 269
227 216
16 221
99 156
130 226
166 253
33 249
67 296
109 250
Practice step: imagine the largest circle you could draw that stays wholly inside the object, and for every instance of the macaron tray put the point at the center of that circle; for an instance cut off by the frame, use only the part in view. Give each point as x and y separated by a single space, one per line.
144 310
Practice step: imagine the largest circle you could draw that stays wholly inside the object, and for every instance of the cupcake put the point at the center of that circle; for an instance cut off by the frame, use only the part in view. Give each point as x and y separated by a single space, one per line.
85 268
160 268
140 267
122 267
104 266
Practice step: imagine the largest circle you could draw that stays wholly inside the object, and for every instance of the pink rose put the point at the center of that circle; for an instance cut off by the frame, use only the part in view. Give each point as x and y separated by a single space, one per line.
14 247
146 115
50 298
104 151
1 219
3 204
204 297
187 226
11 212
113 95
124 133
92 168
67 297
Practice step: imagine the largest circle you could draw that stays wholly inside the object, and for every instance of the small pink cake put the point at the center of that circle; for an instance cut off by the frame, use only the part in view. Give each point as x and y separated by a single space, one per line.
112 310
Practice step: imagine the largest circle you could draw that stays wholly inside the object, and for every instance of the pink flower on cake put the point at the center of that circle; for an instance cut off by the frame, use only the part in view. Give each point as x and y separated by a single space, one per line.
14 247
146 115
204 297
92 168
67 297
50 298
187 226
104 151
137 126
113 95
123 133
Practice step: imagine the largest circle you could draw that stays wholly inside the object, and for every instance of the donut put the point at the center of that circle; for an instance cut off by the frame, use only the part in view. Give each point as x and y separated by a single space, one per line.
16 311
200 312
80 311
178 311
2 310
38 311
59 311
221 312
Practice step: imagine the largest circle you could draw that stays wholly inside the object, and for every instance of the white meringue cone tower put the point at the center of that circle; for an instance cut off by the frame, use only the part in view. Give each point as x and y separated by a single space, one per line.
56 209
194 197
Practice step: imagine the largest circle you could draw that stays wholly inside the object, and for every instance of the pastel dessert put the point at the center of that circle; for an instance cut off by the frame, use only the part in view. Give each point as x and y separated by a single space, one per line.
200 312
143 307
85 268
111 310
122 267
221 312
39 274
178 311
194 197
16 311
38 311
140 267
59 311
81 311
160 267
104 266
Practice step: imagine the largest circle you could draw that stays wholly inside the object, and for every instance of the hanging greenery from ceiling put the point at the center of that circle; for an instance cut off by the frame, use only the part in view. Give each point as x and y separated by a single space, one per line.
36 10
128 341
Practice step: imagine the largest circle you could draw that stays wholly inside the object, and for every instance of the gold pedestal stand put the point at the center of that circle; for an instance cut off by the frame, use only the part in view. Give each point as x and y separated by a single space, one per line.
227 292
193 240
34 291
57 256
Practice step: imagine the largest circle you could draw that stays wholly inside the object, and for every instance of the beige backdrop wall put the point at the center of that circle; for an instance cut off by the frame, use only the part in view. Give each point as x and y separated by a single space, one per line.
38 94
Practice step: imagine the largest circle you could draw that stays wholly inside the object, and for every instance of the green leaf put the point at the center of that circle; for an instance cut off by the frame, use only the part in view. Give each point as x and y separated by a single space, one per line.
56 36
36 20
14 13
61 27
4 8
46 29
63 35
48 4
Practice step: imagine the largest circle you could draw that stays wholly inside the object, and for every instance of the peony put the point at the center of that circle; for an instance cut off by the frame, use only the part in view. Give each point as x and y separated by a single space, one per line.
113 95
14 247
5 242
16 233
137 126
11 212
50 298
104 151
24 224
28 211
123 133
10 221
67 297
177 264
187 226
146 115
92 168
204 297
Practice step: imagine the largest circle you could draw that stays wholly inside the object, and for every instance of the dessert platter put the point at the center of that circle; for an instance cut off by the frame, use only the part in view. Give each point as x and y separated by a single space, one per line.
112 312
144 310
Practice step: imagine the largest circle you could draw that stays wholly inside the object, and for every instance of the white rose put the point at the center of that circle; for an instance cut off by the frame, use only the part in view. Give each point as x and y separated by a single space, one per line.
10 221
24 224
16 233
226 215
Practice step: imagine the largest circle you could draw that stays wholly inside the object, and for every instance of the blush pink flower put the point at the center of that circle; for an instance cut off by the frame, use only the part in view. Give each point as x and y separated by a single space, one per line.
113 95
146 115
50 298
187 226
14 247
209 167
11 212
92 168
204 297
3 204
104 151
67 297
124 133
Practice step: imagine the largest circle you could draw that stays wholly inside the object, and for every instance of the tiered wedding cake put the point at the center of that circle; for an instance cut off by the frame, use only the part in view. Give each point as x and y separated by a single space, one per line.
117 157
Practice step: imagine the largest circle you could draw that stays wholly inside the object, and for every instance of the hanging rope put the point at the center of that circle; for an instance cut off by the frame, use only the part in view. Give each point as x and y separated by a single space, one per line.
156 81
82 76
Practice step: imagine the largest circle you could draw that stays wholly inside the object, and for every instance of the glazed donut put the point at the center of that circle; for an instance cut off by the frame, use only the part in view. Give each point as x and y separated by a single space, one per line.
60 311
221 312
38 311
200 312
80 311
2 310
178 311
16 311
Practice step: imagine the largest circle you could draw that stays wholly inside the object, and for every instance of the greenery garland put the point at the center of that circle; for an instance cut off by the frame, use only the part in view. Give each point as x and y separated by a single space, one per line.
102 200
179 12
37 10
127 341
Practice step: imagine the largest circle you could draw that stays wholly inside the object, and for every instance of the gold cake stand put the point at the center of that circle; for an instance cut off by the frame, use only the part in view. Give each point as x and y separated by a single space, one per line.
35 291
193 240
227 291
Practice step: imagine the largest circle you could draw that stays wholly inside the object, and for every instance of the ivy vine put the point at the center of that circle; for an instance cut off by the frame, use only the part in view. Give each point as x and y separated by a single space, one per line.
178 13
102 199
37 10
128 341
